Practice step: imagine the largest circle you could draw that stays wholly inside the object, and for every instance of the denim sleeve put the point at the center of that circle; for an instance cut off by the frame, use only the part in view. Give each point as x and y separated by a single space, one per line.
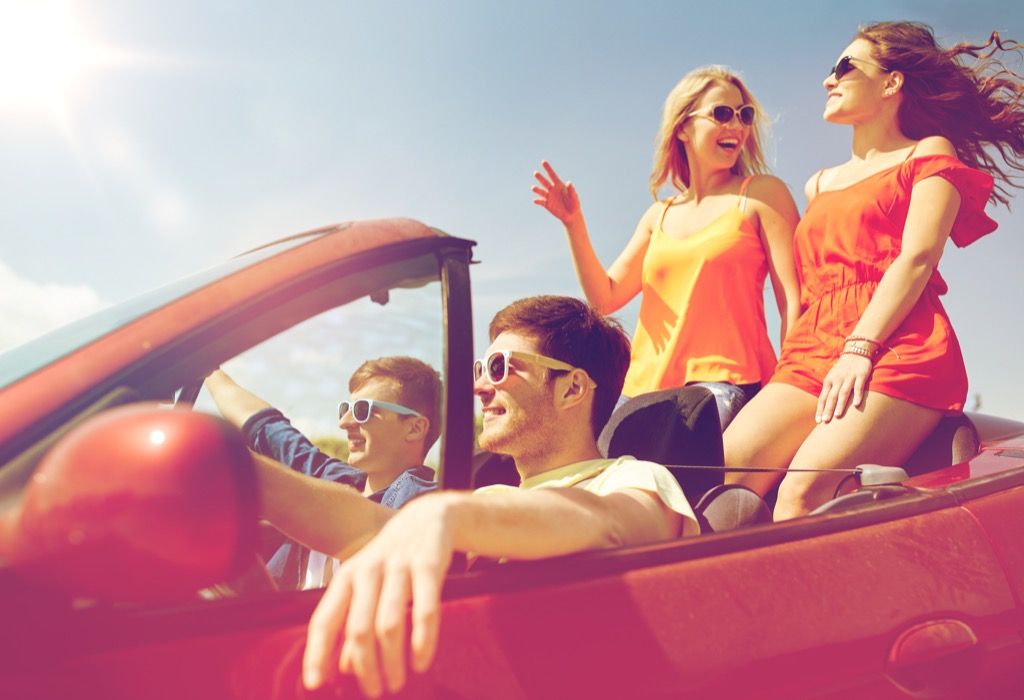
271 434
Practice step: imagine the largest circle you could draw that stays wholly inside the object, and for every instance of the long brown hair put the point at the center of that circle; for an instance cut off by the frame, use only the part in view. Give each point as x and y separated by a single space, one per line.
670 156
977 105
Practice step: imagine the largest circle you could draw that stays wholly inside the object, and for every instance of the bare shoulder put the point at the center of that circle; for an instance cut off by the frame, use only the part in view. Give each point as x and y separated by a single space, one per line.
811 186
652 215
770 190
935 146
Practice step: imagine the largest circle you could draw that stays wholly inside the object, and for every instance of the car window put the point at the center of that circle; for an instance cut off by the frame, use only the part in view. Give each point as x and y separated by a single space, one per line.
304 370
304 373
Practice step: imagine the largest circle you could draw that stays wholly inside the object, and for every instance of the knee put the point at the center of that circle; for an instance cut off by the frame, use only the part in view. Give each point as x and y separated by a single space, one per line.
795 494
799 494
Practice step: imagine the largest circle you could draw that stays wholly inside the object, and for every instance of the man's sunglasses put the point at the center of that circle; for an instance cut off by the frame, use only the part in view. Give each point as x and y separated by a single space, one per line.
495 365
362 409
845 65
723 114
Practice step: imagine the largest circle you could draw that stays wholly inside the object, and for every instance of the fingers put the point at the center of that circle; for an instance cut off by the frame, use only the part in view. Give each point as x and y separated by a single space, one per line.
858 391
324 633
359 650
545 183
843 397
824 399
426 614
390 627
845 386
551 173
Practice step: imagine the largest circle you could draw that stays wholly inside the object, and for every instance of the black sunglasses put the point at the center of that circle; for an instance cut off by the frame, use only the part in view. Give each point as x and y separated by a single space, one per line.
723 114
845 65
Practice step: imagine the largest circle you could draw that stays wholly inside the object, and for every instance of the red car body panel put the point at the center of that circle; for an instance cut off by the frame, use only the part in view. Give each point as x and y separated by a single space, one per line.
920 596
771 622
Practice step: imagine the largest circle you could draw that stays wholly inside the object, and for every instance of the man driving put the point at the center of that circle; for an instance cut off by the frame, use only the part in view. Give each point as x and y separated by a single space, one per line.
390 419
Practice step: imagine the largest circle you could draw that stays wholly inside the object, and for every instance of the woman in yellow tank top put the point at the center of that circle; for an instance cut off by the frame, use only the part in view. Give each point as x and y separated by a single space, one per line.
699 259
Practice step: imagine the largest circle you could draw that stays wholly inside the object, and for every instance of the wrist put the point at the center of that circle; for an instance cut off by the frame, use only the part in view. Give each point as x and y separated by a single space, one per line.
859 352
575 225
448 509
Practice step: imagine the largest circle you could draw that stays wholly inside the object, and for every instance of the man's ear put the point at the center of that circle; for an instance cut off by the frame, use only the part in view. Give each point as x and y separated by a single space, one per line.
575 387
416 429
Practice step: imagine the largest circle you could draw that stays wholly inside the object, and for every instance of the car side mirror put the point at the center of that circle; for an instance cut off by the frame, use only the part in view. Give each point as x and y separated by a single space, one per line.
137 504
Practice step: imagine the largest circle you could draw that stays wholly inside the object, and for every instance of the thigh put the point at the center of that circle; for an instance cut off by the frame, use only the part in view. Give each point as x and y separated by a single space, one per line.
885 430
767 433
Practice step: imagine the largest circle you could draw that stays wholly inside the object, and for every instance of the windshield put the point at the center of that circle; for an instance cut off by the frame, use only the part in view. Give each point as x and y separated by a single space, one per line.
24 359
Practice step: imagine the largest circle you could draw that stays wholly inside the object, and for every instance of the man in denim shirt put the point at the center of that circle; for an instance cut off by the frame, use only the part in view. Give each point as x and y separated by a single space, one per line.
391 420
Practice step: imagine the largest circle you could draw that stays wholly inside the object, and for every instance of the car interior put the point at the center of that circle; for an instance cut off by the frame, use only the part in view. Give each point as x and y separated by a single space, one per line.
688 440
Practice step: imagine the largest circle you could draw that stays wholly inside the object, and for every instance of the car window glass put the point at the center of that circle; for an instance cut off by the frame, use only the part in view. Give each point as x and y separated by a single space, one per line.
304 372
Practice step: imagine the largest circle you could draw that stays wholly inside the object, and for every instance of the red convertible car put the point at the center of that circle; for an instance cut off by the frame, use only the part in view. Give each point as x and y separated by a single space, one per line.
129 536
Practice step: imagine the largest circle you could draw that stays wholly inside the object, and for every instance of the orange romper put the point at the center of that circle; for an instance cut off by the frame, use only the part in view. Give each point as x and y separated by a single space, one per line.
702 307
843 245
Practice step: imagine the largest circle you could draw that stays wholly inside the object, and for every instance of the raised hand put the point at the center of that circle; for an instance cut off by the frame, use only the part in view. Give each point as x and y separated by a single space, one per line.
557 197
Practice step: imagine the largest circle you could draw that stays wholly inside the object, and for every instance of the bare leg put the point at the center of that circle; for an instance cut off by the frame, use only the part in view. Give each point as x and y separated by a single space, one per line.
884 431
767 432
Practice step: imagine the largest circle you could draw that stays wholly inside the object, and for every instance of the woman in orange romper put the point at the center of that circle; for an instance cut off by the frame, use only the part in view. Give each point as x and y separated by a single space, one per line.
699 259
873 364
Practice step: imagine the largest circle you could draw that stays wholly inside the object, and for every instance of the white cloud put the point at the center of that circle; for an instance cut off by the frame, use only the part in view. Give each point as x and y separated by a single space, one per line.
29 308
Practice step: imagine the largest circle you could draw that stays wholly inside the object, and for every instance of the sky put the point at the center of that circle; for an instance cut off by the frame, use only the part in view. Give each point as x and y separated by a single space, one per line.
157 139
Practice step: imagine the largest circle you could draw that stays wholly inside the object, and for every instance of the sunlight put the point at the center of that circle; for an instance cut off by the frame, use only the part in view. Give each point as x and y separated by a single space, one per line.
45 57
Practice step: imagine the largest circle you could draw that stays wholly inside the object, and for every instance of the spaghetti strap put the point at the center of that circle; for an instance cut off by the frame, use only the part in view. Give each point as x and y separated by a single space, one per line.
817 182
911 154
743 193
661 221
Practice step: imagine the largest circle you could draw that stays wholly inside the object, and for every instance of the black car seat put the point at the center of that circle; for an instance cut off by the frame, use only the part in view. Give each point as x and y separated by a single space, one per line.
954 441
730 507
671 427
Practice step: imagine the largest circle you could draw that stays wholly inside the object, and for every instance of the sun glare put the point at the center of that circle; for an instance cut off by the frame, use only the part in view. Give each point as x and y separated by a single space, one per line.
45 57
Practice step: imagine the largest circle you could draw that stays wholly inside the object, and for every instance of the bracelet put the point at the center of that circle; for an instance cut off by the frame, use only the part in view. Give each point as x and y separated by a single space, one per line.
862 339
878 346
858 351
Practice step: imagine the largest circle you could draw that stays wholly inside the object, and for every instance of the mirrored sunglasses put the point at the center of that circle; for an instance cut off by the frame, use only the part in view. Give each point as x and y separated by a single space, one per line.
362 409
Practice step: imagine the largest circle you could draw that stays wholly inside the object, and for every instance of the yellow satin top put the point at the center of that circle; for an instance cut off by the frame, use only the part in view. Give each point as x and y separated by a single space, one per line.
702 307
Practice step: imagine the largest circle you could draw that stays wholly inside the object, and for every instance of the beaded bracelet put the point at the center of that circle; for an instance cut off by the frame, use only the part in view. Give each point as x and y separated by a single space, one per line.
862 339
878 345
858 351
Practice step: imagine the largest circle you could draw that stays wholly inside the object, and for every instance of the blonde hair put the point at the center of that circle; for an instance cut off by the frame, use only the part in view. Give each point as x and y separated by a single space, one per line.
670 156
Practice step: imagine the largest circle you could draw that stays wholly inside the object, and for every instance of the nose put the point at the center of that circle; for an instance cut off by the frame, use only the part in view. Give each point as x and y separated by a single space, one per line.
482 385
830 81
346 421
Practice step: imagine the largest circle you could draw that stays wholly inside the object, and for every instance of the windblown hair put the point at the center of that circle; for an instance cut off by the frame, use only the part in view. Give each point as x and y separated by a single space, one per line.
570 330
419 387
669 155
977 104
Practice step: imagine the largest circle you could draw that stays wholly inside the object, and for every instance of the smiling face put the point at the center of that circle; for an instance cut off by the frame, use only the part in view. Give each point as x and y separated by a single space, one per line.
519 413
380 444
708 143
859 94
